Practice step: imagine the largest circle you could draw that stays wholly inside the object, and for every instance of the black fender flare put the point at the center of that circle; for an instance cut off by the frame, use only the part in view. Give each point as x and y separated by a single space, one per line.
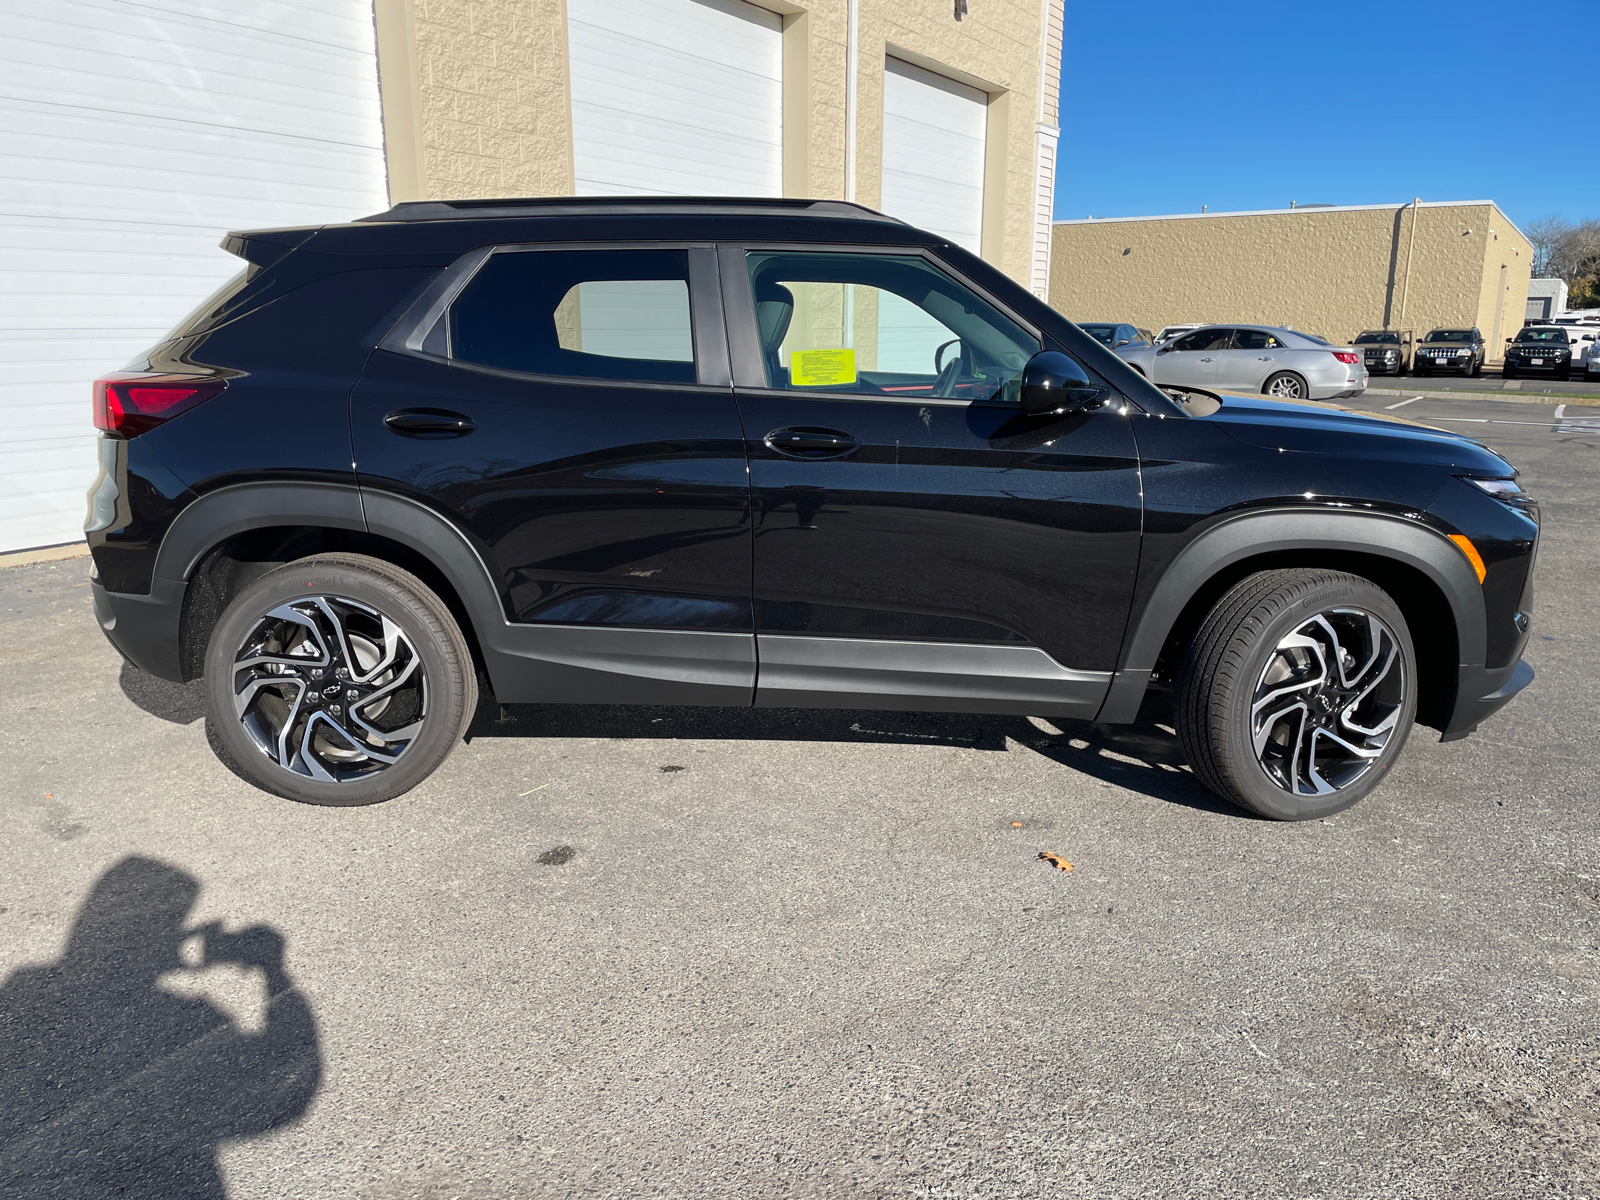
237 508
1249 535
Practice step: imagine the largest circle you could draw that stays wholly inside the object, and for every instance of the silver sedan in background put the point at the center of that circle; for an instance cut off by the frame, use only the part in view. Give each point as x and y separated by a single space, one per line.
1253 358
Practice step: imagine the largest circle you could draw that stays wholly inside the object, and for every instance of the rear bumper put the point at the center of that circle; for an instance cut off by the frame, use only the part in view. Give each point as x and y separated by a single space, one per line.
144 629
1482 693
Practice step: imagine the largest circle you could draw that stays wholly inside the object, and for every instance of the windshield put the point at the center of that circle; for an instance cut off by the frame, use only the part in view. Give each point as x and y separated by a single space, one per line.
1558 336
1449 335
1378 339
1100 333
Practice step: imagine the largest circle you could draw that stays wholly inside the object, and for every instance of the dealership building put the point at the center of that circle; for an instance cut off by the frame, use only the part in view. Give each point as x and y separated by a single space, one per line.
1325 269
138 134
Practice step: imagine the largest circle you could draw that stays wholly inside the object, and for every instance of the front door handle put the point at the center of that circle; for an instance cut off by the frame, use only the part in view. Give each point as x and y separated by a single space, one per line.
1205 360
429 423
810 443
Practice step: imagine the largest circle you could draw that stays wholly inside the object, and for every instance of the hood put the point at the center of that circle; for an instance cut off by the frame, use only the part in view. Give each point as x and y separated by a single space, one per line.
1332 431
1447 342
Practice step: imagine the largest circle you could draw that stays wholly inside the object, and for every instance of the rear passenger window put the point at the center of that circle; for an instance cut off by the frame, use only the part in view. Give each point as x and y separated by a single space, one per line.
584 314
1255 339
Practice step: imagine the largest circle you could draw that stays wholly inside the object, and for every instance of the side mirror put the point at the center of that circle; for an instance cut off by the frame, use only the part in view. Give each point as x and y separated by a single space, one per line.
1053 383
1508 341
1123 342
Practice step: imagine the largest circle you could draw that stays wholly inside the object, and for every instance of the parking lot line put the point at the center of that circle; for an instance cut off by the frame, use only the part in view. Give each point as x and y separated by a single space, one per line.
1403 403
1560 408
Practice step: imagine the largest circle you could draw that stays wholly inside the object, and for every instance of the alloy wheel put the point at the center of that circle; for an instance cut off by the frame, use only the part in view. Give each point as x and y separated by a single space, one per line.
1328 702
329 688
1286 386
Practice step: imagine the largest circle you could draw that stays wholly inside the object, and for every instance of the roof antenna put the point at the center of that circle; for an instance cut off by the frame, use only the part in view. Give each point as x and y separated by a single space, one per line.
1202 210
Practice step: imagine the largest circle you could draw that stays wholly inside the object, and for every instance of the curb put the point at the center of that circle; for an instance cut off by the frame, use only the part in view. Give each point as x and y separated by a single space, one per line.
26 558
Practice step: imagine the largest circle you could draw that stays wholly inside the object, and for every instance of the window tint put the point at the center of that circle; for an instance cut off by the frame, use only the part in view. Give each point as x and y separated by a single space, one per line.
1255 339
1204 339
879 324
586 314
1100 333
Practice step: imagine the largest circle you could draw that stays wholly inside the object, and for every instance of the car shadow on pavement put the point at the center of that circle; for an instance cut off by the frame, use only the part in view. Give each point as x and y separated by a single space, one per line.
111 1085
1142 757
180 703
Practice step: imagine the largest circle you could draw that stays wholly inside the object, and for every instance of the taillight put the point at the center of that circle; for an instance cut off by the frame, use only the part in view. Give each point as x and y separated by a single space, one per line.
1347 356
135 402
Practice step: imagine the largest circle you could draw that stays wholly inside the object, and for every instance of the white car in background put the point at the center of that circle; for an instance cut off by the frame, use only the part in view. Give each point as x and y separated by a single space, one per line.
1253 358
1591 361
1172 331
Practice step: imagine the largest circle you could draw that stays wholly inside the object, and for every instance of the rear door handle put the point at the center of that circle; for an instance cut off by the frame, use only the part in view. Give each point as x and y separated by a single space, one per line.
810 443
429 423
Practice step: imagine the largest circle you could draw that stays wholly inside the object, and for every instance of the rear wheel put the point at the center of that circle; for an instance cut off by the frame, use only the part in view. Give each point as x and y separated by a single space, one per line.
338 680
1298 692
1286 385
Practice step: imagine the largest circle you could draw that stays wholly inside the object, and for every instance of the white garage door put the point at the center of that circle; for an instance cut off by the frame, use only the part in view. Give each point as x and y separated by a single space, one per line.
933 149
676 97
132 137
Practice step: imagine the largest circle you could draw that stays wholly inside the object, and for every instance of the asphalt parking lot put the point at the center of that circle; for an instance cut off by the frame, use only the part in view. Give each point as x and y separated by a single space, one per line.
669 952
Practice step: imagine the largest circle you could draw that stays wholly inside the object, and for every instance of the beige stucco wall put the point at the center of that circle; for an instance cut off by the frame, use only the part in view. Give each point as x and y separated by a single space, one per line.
1327 271
476 97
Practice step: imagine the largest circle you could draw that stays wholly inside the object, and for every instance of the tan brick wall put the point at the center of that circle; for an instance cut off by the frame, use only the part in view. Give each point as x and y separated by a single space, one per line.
488 85
477 103
1332 272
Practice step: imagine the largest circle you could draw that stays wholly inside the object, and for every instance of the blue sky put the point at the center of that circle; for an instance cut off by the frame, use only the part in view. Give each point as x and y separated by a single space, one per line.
1166 106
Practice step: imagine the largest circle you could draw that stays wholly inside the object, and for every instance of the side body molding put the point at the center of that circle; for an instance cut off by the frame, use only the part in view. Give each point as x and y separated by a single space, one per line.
1268 532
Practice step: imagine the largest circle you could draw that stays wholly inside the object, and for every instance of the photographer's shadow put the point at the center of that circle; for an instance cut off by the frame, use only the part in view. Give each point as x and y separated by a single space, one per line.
112 1086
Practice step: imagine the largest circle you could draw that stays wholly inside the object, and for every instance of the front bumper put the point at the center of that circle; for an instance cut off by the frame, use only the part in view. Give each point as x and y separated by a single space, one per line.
1547 368
144 629
1444 366
1480 693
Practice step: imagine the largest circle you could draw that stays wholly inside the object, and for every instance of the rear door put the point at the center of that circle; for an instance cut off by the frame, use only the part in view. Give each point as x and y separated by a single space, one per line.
919 542
570 411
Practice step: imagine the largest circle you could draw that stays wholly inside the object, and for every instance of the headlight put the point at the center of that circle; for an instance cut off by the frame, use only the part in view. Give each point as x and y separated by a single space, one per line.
1507 491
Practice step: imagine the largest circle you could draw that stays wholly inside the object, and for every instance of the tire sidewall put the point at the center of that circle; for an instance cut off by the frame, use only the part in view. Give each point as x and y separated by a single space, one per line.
1262 794
448 672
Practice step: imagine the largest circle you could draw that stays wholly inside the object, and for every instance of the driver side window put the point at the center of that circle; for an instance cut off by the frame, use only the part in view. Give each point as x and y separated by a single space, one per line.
880 324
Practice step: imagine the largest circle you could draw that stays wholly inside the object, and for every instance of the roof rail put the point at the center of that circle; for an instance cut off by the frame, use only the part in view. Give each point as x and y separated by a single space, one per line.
590 206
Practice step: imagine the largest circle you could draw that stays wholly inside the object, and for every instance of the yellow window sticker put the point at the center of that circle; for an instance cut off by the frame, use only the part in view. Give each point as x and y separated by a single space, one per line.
822 368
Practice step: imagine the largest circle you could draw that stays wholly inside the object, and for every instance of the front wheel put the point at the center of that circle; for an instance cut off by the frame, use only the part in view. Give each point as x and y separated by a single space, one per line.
1298 692
337 679
1286 385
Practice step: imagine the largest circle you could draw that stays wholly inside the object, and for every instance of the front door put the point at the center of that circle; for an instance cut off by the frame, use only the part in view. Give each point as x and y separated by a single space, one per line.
1250 358
568 415
919 542
1191 360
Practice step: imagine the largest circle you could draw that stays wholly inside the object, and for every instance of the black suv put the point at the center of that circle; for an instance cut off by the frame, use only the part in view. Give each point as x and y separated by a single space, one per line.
778 453
1449 352
1542 350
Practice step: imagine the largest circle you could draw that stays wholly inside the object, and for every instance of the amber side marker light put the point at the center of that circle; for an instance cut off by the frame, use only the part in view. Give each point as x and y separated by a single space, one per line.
1471 551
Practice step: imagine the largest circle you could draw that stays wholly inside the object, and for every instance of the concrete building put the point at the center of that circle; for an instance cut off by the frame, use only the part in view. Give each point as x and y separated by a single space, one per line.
1546 298
139 134
1327 270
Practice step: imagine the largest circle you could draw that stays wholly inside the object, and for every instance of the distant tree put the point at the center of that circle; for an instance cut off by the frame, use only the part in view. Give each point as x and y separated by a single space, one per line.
1545 234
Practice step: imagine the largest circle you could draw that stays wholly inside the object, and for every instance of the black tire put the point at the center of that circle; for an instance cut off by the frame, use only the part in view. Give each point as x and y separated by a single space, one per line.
388 638
1291 385
1231 662
1507 373
1477 370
